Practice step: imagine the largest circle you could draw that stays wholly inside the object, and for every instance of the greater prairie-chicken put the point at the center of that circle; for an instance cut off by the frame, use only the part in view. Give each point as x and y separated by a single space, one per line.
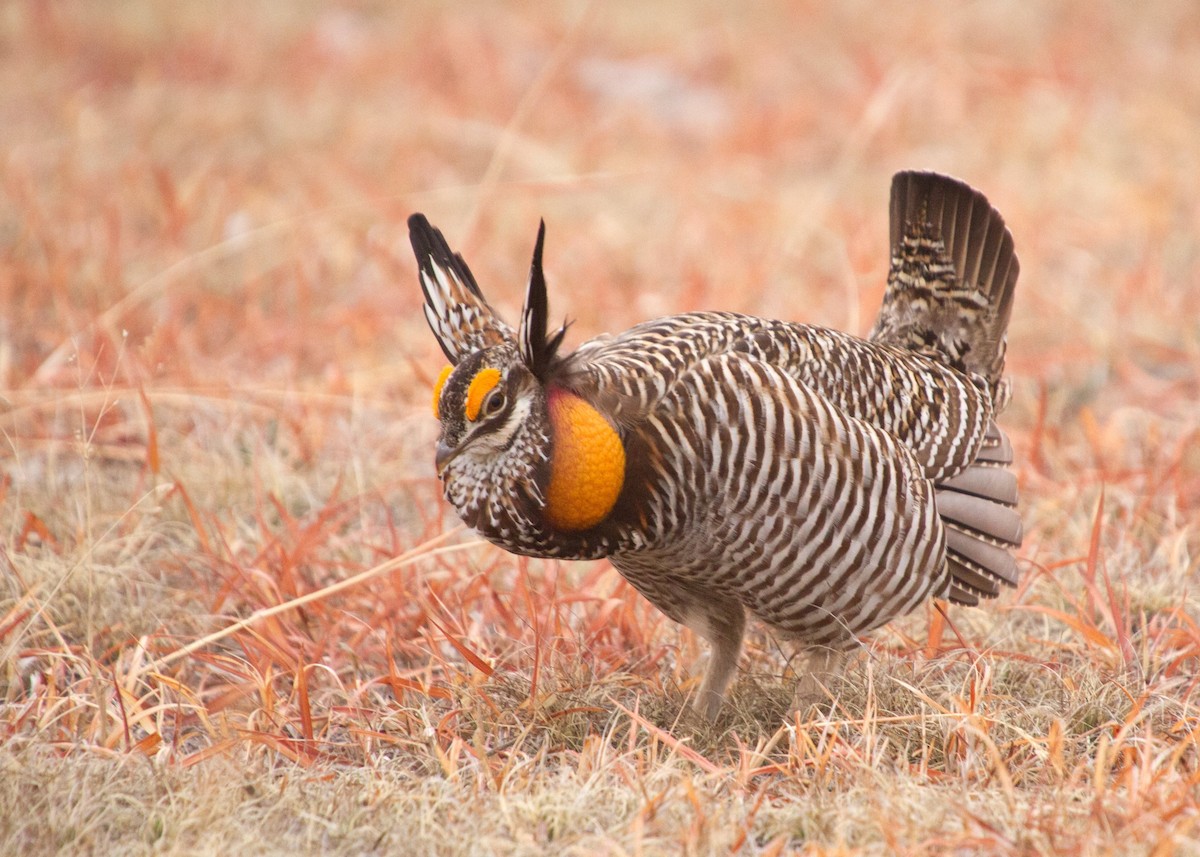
724 463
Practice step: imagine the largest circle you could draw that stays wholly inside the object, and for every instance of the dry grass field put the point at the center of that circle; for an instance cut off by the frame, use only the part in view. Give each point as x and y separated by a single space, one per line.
214 405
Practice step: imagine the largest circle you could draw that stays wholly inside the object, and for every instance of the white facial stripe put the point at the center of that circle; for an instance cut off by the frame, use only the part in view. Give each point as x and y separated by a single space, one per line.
516 417
486 442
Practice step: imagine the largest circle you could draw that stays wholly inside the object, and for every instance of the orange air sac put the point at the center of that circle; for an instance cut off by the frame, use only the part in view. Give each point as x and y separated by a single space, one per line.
587 468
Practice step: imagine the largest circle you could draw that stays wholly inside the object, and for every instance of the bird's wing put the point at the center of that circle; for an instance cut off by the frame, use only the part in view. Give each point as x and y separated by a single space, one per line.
627 374
942 416
820 514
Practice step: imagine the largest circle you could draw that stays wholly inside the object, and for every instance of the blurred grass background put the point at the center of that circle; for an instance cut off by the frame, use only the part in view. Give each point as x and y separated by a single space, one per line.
214 376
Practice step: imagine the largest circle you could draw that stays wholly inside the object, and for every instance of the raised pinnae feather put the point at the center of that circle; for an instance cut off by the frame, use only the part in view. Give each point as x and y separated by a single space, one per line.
537 349
461 319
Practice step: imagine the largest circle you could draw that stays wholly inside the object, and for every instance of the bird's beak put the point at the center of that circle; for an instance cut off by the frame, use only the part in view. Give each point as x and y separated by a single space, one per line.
444 455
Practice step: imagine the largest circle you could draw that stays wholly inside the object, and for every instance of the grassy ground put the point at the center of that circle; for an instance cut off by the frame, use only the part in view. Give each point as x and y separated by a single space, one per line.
215 382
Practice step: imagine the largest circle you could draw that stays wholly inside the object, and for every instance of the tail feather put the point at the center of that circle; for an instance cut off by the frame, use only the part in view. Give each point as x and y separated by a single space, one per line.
982 554
979 508
996 449
959 595
990 483
949 296
952 277
981 515
968 577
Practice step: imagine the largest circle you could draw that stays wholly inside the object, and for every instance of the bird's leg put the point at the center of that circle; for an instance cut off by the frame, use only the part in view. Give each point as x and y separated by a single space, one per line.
820 665
722 624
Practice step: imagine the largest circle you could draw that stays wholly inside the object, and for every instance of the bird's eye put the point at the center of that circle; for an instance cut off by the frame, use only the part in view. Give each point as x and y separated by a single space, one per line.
494 403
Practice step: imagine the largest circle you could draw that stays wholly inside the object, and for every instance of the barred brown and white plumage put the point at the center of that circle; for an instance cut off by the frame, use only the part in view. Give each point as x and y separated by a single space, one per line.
724 463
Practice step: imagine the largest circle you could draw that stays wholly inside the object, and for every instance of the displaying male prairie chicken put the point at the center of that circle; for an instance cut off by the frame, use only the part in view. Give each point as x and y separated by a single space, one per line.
724 463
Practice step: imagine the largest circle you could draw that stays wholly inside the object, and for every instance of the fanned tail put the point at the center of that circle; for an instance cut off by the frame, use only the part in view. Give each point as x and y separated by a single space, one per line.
949 296
952 277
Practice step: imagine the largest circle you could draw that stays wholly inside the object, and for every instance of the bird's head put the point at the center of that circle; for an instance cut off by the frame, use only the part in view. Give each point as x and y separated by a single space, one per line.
515 444
482 403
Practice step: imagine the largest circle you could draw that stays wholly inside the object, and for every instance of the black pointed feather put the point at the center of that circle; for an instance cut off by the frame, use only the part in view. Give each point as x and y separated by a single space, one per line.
430 246
461 319
553 342
538 349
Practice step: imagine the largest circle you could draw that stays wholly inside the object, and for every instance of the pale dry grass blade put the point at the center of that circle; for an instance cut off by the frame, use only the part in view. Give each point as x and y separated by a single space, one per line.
426 550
